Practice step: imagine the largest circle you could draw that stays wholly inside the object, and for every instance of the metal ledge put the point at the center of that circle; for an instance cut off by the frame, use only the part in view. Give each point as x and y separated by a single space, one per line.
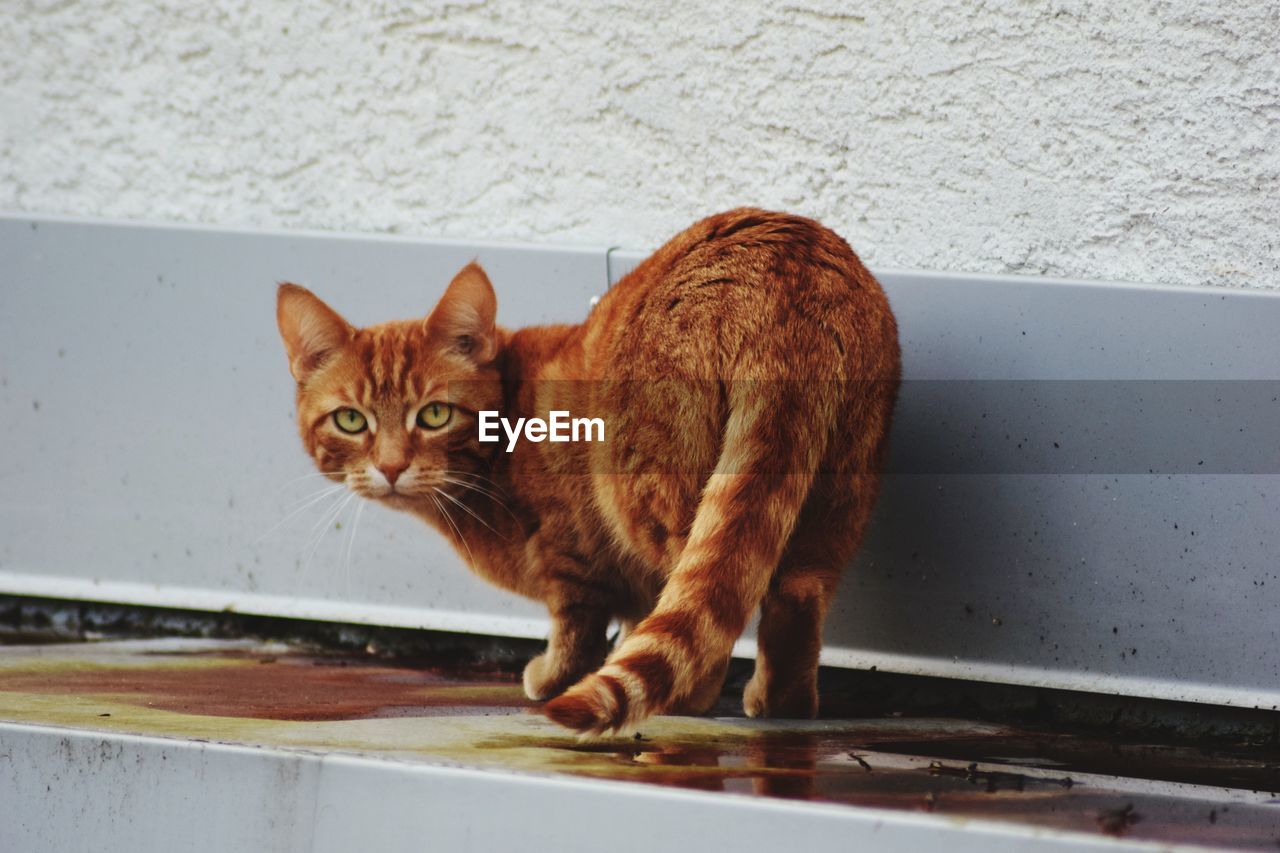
126 792
200 745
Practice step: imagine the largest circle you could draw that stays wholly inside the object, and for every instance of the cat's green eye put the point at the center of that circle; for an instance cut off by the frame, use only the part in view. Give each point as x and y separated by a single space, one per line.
350 421
434 415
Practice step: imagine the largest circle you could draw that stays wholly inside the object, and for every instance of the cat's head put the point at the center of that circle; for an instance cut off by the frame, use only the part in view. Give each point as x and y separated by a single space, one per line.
390 410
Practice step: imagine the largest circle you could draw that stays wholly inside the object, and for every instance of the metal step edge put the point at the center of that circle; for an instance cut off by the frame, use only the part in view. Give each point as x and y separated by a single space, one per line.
68 790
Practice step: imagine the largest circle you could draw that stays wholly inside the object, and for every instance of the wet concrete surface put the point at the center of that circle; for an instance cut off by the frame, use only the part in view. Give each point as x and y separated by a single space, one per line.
1220 795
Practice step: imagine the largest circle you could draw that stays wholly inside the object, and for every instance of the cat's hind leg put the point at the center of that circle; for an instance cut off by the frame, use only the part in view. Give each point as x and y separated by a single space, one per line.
785 682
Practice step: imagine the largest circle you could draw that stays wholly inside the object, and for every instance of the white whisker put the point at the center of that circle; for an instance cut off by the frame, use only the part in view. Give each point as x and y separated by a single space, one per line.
308 477
449 479
321 528
330 514
306 503
490 495
327 490
351 544
440 508
481 478
469 511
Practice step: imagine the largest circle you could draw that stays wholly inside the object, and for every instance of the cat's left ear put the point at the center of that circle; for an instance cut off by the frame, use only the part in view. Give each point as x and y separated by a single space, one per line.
465 315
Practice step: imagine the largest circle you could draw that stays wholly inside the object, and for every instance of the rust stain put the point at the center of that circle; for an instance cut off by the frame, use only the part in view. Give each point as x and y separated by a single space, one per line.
281 688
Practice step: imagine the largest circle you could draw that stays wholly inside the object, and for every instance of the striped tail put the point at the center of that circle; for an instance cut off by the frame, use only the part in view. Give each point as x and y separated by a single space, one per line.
744 519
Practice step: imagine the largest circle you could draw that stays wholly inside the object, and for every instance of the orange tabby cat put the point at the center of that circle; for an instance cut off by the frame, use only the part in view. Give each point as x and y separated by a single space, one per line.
745 374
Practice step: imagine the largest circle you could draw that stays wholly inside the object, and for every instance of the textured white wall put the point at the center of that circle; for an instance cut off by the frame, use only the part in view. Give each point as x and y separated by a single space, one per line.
1131 140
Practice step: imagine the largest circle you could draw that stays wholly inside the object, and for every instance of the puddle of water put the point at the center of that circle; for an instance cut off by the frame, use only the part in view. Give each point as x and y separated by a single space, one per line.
1248 768
838 767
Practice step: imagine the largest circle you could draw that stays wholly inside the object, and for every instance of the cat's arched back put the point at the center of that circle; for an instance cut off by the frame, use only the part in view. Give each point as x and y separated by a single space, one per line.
745 376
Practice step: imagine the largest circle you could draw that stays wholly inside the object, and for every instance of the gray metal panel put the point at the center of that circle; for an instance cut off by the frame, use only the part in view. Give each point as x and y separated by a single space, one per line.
1138 551
163 435
147 418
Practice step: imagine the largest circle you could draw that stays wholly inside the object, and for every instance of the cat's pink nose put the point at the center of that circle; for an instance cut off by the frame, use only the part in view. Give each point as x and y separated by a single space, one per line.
393 472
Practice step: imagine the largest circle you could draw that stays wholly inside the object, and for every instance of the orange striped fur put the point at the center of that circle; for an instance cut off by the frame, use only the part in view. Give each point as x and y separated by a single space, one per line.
746 372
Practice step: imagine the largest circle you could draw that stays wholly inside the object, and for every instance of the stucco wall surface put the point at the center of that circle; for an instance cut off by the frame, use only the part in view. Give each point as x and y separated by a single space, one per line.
1119 141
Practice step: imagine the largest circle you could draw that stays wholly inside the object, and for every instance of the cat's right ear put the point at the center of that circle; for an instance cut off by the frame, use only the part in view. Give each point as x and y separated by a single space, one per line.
312 331
466 314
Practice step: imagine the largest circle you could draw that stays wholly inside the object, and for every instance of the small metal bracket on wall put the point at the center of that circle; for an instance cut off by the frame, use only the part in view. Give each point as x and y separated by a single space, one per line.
621 262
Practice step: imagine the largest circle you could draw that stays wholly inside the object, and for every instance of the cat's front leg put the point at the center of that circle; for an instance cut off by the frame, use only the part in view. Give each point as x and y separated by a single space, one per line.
577 645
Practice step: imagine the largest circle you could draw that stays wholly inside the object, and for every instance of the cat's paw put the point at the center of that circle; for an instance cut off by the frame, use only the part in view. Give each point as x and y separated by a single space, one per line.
543 680
797 702
753 704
